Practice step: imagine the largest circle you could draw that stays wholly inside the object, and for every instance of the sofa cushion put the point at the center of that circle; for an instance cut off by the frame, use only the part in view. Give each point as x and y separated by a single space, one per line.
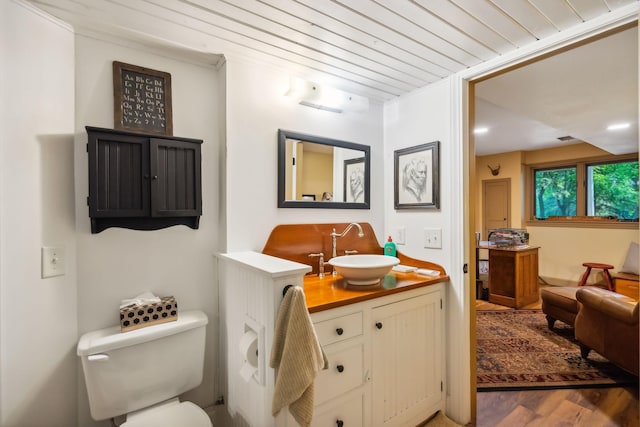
612 304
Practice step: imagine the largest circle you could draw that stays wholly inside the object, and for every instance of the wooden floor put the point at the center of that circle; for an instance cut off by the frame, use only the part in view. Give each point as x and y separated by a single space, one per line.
599 407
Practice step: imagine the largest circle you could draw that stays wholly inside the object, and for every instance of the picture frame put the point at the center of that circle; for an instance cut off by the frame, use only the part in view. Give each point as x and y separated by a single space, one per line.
417 177
142 99
354 180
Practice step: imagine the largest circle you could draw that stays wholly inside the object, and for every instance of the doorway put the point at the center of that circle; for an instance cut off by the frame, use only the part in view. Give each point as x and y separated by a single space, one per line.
474 181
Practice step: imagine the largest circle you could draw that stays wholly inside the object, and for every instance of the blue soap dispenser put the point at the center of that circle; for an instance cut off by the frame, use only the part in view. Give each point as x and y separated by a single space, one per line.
390 247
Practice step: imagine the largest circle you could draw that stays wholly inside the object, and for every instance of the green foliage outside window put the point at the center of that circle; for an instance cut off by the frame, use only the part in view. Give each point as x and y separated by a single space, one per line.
556 192
612 190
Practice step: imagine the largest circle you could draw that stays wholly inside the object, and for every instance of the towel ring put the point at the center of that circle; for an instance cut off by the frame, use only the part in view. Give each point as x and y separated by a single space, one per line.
285 289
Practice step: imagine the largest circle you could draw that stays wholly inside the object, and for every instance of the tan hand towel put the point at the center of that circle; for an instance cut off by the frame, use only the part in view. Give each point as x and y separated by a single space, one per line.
297 355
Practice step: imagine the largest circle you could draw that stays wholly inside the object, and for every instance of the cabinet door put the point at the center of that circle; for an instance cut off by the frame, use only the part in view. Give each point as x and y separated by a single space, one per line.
175 178
118 176
407 362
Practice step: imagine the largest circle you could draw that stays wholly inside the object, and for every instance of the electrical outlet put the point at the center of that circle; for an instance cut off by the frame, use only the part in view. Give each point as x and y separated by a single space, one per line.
52 262
433 238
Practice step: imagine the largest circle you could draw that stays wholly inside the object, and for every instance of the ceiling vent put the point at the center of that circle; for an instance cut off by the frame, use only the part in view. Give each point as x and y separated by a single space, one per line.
566 138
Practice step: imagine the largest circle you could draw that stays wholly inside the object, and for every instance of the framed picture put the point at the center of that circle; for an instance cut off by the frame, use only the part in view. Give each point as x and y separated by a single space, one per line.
142 99
354 180
416 179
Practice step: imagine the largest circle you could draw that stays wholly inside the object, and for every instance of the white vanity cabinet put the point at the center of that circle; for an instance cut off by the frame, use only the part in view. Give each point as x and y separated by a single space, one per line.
386 361
386 354
407 359
342 390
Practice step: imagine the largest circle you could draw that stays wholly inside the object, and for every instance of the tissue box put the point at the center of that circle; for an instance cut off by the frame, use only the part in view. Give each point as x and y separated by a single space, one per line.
136 316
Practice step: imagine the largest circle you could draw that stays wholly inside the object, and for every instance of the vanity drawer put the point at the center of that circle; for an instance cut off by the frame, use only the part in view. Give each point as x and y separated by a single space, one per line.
349 411
345 372
339 328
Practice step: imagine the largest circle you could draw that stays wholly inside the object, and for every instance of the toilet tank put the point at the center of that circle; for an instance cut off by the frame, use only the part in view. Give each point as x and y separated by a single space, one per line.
127 371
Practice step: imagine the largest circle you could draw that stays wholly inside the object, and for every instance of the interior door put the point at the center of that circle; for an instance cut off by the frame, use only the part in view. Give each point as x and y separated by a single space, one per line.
496 202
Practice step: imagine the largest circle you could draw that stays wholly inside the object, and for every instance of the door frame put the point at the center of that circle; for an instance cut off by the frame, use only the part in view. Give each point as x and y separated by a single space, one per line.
462 381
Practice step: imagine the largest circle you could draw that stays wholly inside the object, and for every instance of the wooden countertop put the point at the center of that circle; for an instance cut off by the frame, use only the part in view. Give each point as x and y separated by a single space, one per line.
332 291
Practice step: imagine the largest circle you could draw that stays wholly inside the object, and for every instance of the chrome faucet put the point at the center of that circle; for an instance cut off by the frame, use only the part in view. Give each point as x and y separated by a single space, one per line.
334 236
320 263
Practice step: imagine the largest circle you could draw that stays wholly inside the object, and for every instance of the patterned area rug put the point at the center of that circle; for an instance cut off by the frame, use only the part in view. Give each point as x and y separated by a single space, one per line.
517 351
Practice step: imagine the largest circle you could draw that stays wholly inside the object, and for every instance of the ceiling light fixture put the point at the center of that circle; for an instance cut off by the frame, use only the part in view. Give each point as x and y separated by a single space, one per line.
481 130
325 97
618 126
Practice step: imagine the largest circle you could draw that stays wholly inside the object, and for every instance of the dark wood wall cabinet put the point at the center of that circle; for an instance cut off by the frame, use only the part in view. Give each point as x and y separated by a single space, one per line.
141 181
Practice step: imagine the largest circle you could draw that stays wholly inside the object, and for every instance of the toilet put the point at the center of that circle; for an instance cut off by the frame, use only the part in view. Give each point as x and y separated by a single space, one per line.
141 373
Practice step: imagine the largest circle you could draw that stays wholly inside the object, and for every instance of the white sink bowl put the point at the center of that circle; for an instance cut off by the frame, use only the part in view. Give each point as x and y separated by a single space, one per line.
363 269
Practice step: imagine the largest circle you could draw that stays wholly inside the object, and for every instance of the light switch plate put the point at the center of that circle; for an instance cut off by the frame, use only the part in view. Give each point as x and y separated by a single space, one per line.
433 238
53 261
399 238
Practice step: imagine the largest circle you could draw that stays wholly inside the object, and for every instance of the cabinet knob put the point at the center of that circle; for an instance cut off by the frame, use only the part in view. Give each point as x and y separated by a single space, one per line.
340 368
339 331
155 176
339 423
379 325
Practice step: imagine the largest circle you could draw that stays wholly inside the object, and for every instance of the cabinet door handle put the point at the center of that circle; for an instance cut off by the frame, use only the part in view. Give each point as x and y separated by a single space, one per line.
155 176
340 368
339 331
339 423
379 325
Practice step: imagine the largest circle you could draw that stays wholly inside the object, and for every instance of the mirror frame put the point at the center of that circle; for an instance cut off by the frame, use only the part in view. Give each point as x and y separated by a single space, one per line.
283 135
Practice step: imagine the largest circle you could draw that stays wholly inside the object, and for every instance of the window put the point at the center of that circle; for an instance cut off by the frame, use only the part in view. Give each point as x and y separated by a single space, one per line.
606 189
556 192
612 190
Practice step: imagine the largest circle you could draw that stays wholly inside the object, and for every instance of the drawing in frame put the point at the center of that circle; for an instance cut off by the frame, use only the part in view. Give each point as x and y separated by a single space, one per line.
354 180
417 177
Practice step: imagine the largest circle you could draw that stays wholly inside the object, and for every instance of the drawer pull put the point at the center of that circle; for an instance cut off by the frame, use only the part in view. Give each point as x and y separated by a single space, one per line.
339 331
339 423
379 325
340 368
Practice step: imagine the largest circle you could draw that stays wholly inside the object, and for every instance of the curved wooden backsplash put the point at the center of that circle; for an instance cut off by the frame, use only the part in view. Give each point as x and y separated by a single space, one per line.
296 241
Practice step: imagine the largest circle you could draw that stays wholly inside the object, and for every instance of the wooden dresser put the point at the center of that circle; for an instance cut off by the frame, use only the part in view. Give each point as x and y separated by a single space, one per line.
627 284
513 276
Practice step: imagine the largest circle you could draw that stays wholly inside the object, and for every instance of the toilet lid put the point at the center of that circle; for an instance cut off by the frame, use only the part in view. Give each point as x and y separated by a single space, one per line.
181 414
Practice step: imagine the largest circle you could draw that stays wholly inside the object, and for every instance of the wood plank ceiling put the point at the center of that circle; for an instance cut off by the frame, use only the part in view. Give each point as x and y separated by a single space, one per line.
375 48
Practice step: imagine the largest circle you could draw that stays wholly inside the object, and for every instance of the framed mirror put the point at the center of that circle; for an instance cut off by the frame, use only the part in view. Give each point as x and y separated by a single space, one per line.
318 172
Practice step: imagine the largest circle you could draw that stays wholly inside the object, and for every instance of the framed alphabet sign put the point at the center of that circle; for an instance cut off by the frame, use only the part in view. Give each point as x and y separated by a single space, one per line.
141 99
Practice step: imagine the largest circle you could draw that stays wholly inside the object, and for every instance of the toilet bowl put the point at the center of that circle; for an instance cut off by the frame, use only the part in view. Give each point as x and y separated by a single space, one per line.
141 373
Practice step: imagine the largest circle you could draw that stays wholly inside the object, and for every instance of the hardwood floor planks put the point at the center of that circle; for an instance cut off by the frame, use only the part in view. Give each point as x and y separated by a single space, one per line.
594 407
602 407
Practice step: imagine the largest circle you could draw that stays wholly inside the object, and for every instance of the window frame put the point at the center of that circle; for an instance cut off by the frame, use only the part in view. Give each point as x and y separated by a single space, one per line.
581 206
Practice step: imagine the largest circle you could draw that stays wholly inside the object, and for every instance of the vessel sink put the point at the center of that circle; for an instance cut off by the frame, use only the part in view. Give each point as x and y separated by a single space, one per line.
363 269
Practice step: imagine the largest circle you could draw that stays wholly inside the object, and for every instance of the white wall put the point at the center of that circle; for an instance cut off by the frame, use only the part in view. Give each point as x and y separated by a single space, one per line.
256 109
37 316
119 263
423 116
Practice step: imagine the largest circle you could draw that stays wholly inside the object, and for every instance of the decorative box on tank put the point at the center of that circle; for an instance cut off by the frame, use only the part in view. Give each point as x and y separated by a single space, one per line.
136 316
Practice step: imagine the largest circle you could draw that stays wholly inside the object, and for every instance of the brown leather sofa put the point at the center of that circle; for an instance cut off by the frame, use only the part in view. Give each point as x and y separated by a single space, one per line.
607 323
